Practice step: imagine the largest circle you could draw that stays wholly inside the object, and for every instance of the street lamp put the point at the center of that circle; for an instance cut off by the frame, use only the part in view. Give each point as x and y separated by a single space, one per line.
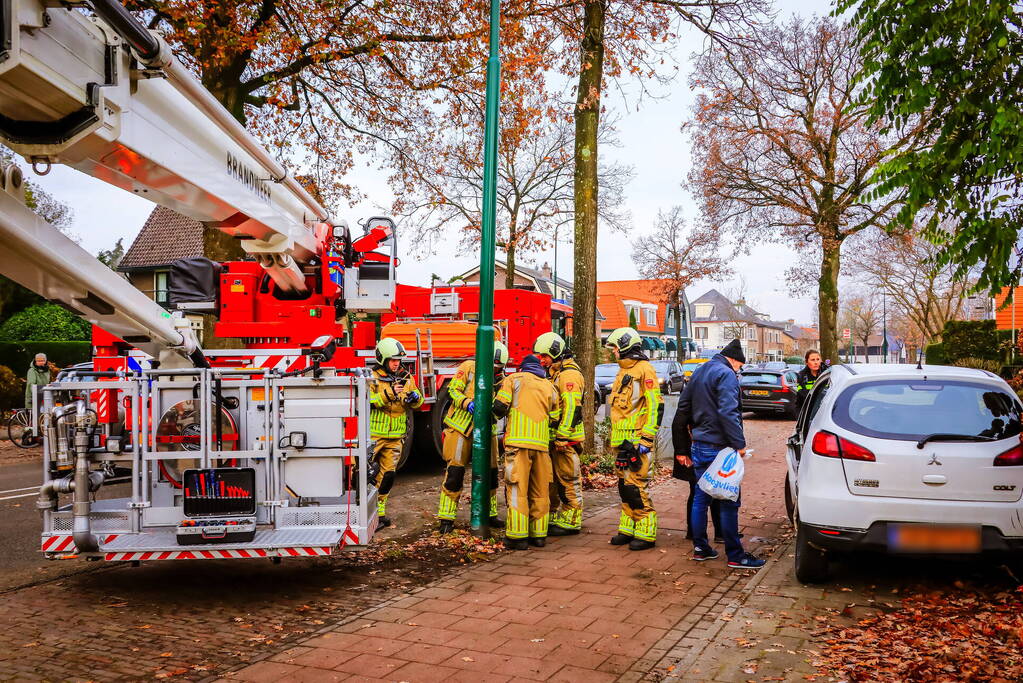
884 325
484 398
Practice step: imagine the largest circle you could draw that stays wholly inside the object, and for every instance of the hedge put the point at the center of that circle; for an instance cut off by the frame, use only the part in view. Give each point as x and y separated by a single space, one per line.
934 354
45 322
971 339
18 355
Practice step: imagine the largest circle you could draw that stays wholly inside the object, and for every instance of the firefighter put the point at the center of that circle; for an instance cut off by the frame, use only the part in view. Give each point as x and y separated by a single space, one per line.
392 392
457 441
567 437
530 403
636 408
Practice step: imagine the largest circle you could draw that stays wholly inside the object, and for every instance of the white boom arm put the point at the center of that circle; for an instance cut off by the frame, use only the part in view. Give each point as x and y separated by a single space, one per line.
105 96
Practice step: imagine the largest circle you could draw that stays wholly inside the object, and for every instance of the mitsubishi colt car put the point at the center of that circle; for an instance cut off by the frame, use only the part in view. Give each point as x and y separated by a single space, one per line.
924 461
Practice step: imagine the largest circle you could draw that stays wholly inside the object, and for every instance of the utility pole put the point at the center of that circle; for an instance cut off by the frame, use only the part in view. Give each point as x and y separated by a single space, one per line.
884 325
482 427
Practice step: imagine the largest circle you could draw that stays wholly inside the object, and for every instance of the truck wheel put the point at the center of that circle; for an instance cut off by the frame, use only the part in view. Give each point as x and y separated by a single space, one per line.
429 426
811 563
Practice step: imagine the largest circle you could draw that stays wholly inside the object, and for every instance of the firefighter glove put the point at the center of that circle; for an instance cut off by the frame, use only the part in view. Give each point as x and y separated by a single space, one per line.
471 408
643 449
412 397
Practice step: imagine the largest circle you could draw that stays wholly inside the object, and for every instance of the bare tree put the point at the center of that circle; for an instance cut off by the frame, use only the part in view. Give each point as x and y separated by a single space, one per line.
904 266
677 258
784 150
534 188
862 315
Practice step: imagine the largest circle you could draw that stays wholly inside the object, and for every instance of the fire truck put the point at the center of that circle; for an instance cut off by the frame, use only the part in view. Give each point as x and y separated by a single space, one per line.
258 452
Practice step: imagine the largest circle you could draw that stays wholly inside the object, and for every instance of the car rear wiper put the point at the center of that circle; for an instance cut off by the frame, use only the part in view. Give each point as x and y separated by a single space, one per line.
951 437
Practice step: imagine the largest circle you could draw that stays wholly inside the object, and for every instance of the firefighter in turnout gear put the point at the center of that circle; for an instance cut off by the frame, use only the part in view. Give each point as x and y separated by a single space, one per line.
567 436
530 403
392 392
636 408
457 440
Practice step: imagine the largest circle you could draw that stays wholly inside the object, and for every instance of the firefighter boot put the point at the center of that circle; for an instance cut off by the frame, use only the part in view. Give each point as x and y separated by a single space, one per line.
495 521
537 542
640 544
516 543
446 526
626 530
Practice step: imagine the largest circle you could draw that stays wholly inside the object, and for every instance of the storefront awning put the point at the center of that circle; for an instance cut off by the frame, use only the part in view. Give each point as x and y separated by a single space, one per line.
671 345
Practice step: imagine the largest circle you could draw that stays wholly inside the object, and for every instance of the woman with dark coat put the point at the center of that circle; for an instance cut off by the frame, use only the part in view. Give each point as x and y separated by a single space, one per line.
806 377
682 441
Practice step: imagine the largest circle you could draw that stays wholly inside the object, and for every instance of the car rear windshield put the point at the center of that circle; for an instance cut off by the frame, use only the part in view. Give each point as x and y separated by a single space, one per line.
910 409
606 370
689 367
760 378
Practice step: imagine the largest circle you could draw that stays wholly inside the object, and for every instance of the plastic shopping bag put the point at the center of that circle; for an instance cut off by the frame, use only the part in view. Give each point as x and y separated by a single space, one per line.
724 476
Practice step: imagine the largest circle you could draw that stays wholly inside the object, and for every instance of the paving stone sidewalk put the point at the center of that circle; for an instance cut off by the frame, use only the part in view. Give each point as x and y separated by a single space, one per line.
579 609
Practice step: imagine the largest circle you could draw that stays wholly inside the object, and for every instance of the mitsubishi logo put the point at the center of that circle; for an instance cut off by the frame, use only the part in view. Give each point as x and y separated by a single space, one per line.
934 460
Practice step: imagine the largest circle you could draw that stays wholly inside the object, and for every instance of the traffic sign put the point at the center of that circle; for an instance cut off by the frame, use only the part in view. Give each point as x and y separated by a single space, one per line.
846 333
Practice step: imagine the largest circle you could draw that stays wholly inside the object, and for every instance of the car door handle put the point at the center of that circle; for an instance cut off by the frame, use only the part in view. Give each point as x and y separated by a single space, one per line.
935 479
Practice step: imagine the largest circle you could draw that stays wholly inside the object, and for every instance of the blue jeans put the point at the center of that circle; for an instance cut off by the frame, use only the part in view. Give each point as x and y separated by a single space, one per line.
703 455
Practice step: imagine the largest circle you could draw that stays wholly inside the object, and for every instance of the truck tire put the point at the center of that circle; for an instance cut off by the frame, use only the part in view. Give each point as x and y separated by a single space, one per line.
426 437
811 563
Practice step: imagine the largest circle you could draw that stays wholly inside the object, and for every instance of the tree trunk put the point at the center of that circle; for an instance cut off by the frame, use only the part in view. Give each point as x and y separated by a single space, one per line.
509 271
827 299
587 123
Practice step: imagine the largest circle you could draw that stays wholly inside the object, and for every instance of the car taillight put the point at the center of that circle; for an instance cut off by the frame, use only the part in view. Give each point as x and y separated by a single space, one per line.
826 444
1010 458
832 446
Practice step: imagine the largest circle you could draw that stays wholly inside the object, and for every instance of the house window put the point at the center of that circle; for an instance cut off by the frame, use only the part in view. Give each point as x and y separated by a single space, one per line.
160 287
700 332
671 317
704 310
651 317
752 333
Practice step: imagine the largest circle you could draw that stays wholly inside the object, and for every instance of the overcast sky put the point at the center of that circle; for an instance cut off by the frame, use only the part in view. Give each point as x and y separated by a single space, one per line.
651 142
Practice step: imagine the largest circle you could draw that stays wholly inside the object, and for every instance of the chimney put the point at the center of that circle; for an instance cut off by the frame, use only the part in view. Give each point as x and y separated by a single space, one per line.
741 301
792 321
545 269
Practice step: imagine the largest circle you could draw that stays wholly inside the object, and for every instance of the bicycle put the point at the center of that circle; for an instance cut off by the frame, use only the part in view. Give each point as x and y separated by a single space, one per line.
20 423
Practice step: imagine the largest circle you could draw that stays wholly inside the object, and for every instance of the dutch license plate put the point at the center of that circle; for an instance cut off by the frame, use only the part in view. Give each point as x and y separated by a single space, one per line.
759 392
928 538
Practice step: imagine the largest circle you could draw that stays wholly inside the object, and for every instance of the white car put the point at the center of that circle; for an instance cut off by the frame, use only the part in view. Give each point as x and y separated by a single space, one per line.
905 459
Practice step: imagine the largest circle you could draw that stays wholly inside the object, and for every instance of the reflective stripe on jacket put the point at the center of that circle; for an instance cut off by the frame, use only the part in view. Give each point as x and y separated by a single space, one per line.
461 390
387 404
568 380
532 407
635 402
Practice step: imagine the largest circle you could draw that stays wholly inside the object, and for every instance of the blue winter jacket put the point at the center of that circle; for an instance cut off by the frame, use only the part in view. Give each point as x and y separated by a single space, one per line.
712 399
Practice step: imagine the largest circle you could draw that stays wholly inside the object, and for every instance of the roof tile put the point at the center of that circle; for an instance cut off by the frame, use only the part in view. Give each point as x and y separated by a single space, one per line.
165 237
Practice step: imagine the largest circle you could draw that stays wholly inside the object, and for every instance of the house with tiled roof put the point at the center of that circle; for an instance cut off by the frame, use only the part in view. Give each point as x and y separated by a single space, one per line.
717 321
165 237
643 303
536 279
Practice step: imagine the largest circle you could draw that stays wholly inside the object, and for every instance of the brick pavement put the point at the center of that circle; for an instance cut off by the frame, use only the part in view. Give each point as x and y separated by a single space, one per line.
577 609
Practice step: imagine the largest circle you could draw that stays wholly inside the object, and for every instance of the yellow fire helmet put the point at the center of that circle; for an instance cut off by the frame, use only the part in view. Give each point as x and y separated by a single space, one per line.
550 344
623 339
500 354
388 348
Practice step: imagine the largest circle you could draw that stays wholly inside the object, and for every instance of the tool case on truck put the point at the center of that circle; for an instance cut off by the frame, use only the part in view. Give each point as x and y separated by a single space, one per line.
220 505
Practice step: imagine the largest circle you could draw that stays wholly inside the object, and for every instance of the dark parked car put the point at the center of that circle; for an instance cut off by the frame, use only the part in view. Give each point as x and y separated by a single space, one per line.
671 375
769 391
604 376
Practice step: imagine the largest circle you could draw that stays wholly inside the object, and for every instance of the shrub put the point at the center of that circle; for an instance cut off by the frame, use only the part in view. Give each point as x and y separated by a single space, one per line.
934 354
12 389
45 322
19 355
794 360
971 339
980 364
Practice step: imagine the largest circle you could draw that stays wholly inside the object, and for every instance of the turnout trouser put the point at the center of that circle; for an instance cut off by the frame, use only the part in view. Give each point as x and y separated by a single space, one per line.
566 489
527 480
386 453
638 518
457 453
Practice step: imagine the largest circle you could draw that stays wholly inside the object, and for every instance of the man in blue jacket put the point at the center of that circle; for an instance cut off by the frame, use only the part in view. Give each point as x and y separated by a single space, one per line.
712 399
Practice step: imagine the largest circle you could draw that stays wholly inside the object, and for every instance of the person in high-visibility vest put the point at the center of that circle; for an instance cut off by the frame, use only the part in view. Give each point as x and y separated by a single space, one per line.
567 436
457 441
530 403
807 377
392 392
636 408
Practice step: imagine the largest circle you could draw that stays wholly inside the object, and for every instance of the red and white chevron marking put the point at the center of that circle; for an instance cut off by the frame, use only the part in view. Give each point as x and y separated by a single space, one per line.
61 543
215 554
